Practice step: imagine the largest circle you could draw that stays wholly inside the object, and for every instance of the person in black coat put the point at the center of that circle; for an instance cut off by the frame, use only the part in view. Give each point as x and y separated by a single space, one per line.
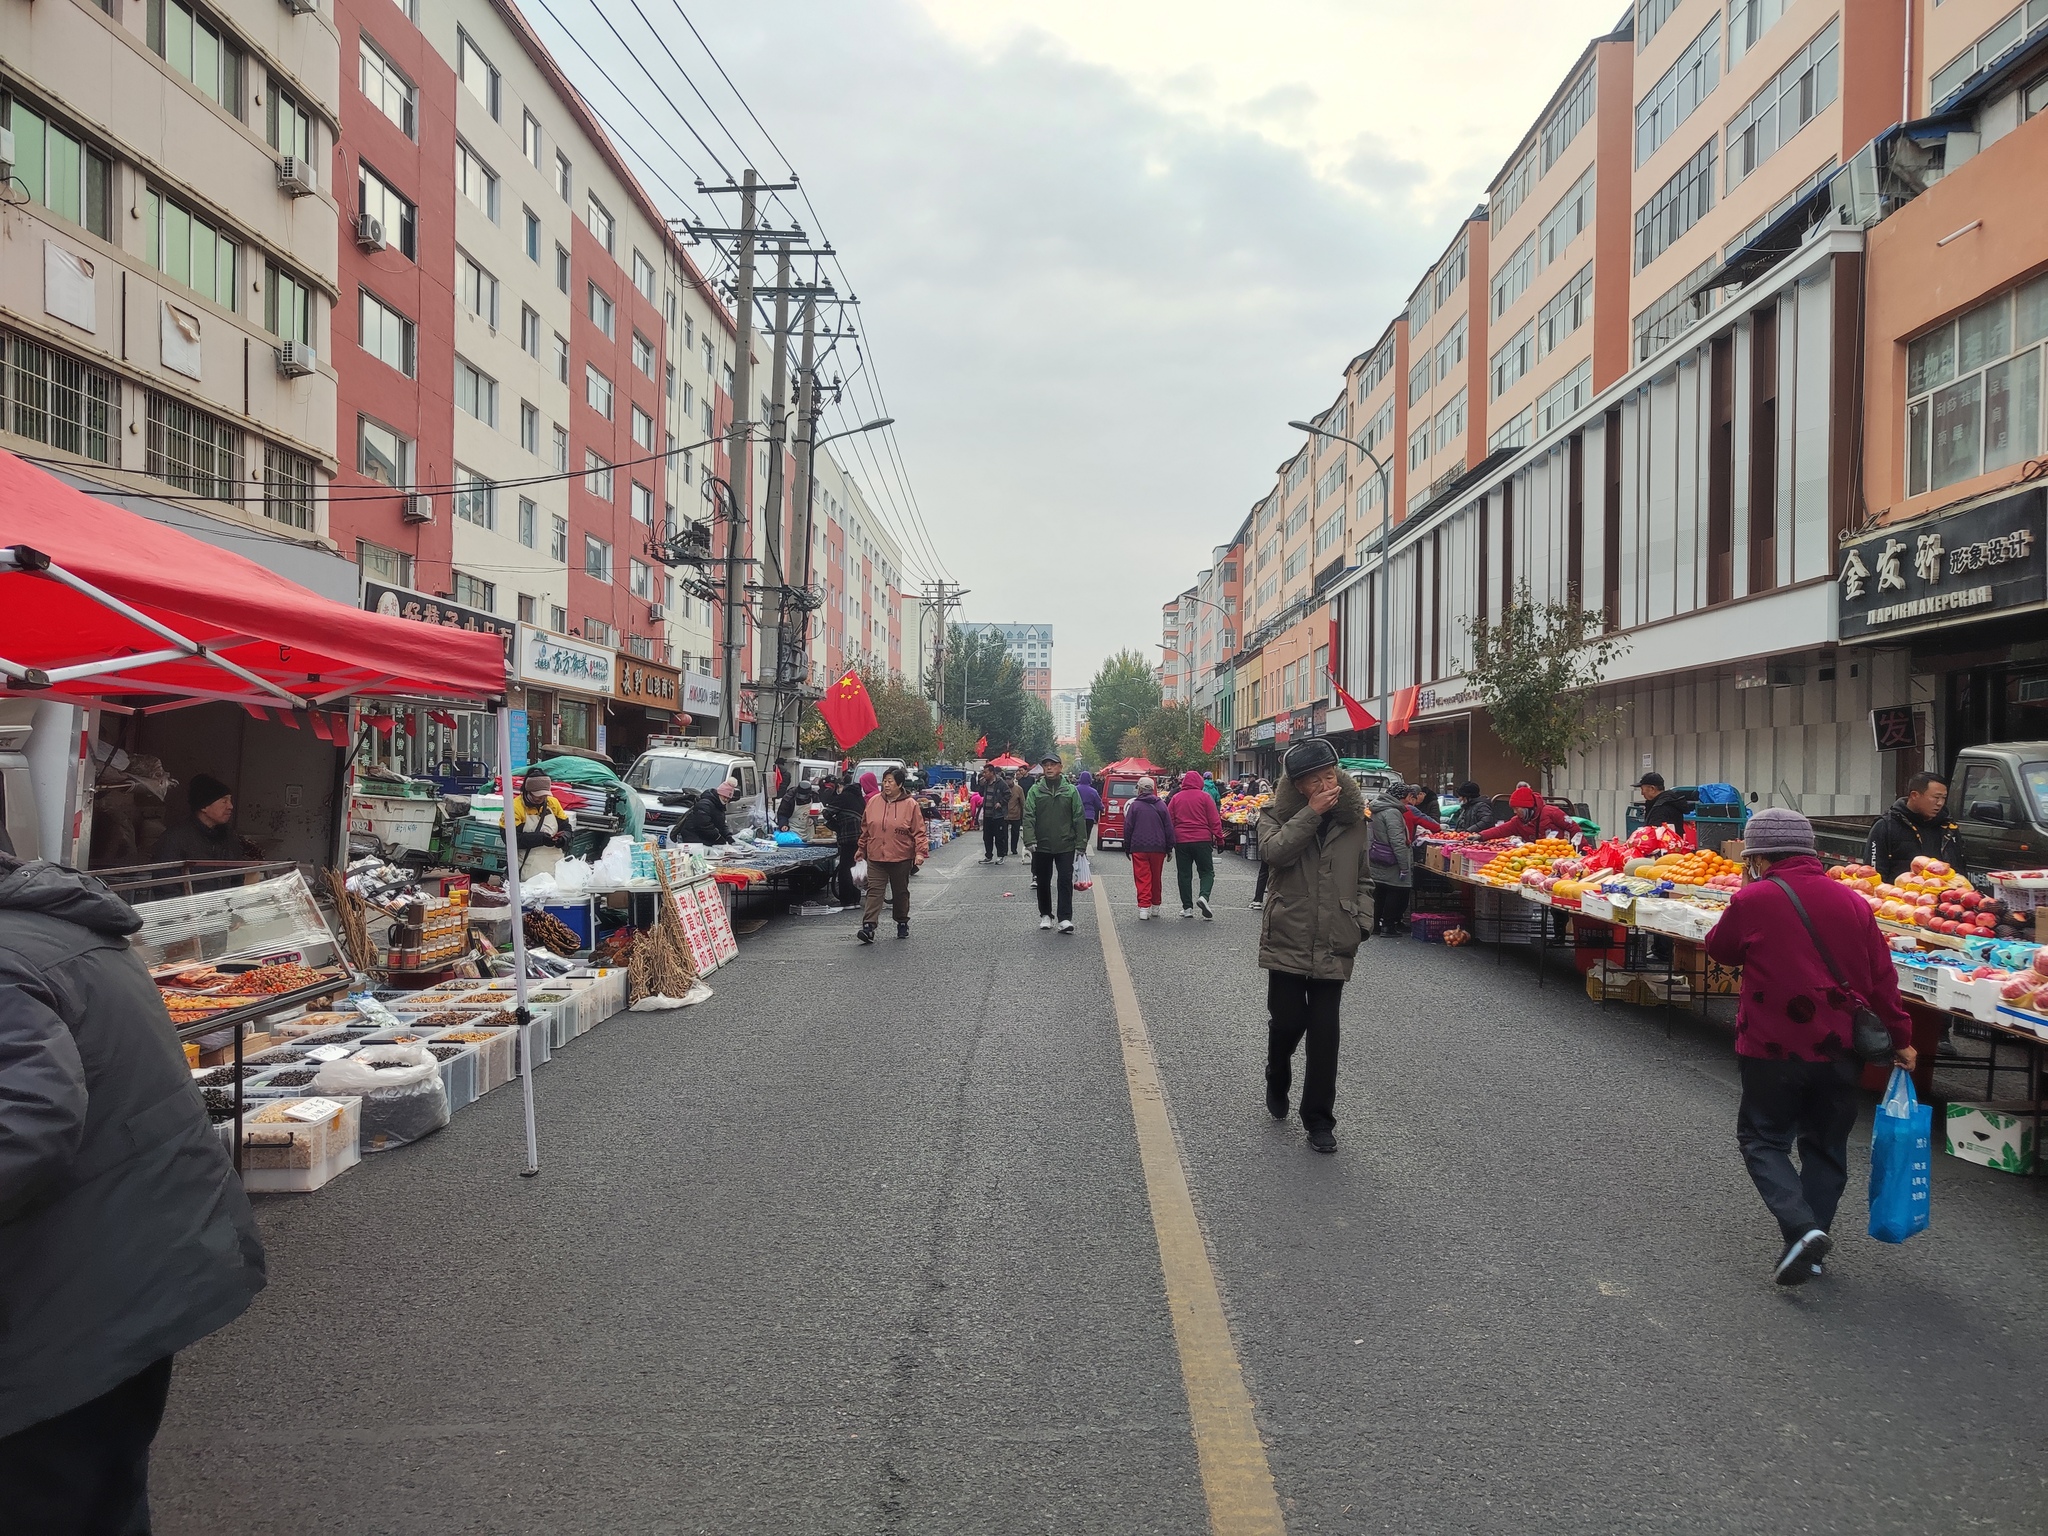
1476 812
126 1233
207 834
848 808
1917 825
704 822
1661 804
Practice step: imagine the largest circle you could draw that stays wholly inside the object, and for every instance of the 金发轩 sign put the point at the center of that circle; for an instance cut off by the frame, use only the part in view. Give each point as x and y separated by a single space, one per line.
1920 575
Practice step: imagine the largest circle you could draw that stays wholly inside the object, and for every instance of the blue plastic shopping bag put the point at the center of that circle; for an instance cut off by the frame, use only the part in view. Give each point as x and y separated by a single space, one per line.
1901 1162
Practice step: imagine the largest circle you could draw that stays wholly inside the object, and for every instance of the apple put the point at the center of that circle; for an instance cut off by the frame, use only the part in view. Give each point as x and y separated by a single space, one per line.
2022 984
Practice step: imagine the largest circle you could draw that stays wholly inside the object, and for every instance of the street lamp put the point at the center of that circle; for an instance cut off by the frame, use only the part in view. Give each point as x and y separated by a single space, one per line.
1385 598
1229 620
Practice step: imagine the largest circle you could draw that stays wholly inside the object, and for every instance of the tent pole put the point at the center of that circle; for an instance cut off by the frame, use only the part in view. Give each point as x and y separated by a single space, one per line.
519 1011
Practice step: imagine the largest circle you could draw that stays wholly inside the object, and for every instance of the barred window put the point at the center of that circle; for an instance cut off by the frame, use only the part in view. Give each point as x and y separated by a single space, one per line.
56 399
192 450
287 486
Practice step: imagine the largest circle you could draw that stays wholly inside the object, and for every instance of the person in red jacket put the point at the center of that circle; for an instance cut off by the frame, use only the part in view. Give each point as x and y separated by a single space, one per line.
1197 829
1532 818
1794 1026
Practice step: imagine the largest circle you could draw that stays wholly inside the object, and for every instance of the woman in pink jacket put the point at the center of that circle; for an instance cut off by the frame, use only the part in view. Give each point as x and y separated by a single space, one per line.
1197 829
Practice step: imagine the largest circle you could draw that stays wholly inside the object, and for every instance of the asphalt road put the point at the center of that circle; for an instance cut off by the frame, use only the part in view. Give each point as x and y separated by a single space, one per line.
863 1245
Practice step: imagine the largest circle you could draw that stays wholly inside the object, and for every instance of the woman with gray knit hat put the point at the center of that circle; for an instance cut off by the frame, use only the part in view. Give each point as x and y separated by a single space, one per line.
1312 839
1811 956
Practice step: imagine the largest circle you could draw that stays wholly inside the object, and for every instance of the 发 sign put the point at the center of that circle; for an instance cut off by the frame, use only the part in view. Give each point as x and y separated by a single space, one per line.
1990 559
1896 728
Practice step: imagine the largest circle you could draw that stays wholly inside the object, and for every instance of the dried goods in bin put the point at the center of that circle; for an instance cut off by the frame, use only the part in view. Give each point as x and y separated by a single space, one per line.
546 931
270 980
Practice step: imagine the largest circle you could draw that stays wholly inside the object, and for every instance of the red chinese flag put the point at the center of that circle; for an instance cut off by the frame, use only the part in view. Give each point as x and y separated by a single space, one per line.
981 747
1403 709
1362 719
848 710
1211 737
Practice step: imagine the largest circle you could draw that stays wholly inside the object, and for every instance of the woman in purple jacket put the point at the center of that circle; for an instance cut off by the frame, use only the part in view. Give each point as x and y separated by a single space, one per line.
1148 838
1794 1026
1091 803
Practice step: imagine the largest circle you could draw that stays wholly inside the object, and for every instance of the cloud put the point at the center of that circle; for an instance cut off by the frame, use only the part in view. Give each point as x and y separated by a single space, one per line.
1096 308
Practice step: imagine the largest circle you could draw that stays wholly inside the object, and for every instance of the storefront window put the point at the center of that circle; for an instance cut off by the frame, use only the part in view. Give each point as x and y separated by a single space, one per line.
578 729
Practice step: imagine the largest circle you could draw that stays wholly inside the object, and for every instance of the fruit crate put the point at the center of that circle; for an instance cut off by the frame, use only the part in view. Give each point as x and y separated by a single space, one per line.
1430 927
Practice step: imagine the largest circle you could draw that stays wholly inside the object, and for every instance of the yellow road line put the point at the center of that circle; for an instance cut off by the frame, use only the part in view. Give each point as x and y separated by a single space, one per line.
1236 1480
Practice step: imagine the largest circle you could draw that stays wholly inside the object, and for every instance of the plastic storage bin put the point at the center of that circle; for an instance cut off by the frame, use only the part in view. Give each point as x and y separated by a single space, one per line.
287 1156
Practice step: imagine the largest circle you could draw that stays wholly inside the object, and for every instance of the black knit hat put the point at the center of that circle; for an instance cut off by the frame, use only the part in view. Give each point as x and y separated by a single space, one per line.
1306 757
204 790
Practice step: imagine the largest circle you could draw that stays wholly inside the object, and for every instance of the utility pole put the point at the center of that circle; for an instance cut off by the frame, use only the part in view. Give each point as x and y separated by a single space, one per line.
795 675
739 457
942 597
774 596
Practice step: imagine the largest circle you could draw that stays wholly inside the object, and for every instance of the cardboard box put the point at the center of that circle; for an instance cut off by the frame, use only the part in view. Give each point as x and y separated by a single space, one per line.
2000 1136
1732 849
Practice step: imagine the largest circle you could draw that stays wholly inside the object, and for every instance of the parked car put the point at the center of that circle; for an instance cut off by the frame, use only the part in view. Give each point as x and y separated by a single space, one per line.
670 778
1998 798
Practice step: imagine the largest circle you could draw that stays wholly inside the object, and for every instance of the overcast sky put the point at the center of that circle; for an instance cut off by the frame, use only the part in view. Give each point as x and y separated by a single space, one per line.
1104 251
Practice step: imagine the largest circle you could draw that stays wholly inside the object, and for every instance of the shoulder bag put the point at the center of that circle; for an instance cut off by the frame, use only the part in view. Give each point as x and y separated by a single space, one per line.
1869 1040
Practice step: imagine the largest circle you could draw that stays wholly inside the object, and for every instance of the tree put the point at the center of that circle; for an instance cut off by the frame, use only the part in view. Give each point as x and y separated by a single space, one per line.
980 670
903 723
1038 735
1534 669
1122 696
1172 737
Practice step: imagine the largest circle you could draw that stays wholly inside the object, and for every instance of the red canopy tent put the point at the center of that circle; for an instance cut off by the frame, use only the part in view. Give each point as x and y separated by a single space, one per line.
1134 765
1008 761
97 601
98 604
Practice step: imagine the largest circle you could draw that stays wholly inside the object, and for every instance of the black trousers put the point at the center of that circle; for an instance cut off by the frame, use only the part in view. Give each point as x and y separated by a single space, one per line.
1812 1103
843 875
1016 835
1298 1006
86 1472
1044 867
1389 906
1265 874
993 838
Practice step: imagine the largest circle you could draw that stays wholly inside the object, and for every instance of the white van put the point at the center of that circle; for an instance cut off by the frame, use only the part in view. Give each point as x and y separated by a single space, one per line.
670 778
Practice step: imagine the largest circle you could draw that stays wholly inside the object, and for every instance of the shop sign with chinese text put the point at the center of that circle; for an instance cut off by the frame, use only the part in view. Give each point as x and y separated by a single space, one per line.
702 694
398 603
645 682
1944 570
557 661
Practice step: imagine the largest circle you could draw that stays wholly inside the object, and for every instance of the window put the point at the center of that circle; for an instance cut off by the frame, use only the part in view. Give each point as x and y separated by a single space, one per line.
476 181
287 305
479 290
382 455
558 618
287 126
558 547
192 450
669 384
1973 391
1508 365
1332 532
189 249
475 72
562 267
476 499
390 208
602 224
1332 481
643 276
643 429
384 333
1418 380
1379 429
637 579
1515 434
643 354
55 398
1450 351
387 88
597 559
529 427
1564 223
1449 423
1675 207
1297 519
530 238
599 632
529 525
61 171
561 451
1749 20
1369 376
1418 446
1983 51
709 430
597 392
287 486
472 592
1564 399
529 609
1514 276
476 392
529 331
199 50
1570 308
1450 274
602 310
1573 113
386 565
1651 16
1421 307
642 504
1513 189
597 474
1787 103
529 139
1677 309
1679 91
710 359
561 358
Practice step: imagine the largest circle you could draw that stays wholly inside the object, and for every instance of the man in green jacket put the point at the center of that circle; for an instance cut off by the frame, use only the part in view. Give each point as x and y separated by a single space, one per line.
1313 838
1055 829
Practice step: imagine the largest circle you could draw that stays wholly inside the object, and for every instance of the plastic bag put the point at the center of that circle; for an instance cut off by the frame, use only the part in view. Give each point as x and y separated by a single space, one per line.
400 1086
1901 1162
614 866
1083 877
859 873
537 891
573 880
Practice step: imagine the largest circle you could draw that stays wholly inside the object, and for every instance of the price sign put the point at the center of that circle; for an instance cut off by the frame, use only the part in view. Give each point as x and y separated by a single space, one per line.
313 1109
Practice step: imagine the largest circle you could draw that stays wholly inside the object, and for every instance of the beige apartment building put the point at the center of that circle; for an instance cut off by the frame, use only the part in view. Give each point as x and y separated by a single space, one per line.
1445 389
168 284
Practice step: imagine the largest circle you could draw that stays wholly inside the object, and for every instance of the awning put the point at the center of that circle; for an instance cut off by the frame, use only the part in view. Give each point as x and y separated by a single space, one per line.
98 602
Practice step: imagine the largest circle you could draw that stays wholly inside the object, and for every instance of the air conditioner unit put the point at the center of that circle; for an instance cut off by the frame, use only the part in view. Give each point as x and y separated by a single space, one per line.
295 176
302 7
418 508
295 359
656 612
369 232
